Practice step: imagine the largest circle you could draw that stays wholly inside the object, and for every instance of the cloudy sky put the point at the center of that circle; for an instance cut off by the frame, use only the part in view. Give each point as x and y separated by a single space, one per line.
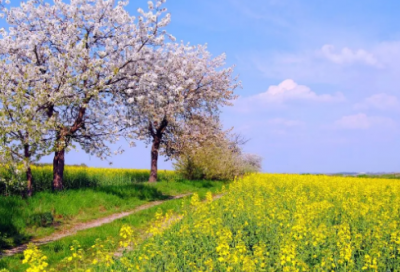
321 80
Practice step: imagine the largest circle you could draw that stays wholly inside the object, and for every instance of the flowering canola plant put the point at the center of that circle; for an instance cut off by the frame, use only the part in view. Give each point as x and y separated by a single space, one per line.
35 259
268 222
78 177
263 222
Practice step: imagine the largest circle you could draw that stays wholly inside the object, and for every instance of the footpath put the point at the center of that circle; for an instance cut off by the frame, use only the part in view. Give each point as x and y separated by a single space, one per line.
84 226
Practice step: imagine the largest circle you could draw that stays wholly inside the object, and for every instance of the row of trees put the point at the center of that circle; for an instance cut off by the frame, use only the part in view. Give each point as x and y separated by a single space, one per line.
88 73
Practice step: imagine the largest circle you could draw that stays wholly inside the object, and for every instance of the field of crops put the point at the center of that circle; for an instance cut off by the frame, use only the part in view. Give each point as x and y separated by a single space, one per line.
76 177
262 222
282 223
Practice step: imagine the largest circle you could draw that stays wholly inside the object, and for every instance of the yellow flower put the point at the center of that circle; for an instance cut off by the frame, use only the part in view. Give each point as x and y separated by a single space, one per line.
35 259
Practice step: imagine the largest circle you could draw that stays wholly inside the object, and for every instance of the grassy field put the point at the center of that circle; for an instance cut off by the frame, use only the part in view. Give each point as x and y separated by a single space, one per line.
58 251
102 192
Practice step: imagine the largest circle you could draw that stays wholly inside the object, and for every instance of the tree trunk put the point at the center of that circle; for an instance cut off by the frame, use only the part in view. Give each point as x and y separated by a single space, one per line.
58 170
154 157
29 178
62 141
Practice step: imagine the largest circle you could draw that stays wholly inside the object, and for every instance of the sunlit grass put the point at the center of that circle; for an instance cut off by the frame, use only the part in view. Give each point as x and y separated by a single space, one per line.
103 192
59 250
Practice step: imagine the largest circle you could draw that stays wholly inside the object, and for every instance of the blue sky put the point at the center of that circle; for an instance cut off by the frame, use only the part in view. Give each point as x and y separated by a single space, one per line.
321 89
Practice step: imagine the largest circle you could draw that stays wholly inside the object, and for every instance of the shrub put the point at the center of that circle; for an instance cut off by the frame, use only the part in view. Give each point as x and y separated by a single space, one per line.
44 219
216 160
251 163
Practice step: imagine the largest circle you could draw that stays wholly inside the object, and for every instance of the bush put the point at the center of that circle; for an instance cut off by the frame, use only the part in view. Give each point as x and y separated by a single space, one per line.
219 160
43 219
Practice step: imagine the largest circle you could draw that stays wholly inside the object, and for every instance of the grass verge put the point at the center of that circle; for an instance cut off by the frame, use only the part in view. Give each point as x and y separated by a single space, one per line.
58 250
45 212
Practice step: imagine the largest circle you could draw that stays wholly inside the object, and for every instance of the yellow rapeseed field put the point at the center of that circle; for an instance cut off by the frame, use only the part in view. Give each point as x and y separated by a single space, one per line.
78 177
268 222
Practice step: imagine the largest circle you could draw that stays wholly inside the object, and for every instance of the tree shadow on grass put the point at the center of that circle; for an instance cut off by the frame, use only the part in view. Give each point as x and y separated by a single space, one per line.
11 225
199 183
139 191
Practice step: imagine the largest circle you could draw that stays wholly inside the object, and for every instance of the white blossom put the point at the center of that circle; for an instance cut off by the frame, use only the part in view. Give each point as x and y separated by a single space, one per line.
185 86
65 67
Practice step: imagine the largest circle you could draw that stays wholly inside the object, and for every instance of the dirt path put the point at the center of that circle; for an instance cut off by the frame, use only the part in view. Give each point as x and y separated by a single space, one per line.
87 225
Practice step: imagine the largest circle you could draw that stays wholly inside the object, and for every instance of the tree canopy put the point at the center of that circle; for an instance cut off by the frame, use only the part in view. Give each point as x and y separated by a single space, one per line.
87 72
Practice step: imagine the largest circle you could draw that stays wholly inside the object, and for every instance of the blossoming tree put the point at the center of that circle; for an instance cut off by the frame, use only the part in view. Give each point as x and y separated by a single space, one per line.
183 84
70 61
25 128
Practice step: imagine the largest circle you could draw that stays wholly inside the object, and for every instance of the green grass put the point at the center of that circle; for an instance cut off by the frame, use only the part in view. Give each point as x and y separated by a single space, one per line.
89 193
58 250
24 219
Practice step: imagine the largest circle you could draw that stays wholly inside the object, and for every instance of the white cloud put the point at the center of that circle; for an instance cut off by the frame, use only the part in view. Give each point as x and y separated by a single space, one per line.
264 12
362 121
380 101
277 96
329 65
357 121
278 132
388 53
285 122
290 90
348 56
